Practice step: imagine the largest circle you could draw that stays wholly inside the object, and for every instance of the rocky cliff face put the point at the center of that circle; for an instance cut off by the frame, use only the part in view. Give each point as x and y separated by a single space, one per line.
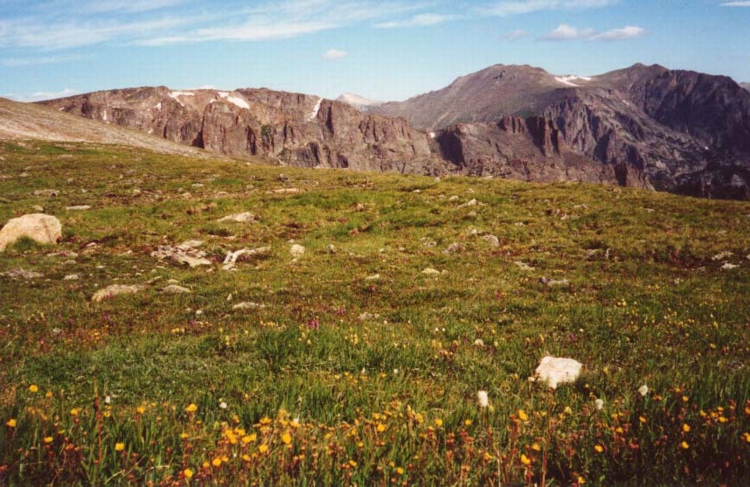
529 149
291 128
643 126
675 131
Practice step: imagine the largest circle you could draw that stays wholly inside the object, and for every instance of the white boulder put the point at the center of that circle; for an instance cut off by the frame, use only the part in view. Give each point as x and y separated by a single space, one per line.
555 371
39 227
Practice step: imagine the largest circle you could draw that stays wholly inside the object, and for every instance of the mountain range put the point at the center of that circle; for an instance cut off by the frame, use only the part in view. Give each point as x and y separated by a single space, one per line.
644 126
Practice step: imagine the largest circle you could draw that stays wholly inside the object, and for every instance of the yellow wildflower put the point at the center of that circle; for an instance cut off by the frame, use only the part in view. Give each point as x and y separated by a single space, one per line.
75 411
536 447
400 471
263 448
438 423
216 462
187 473
381 427
684 445
286 438
467 422
48 395
33 388
191 408
140 410
119 446
599 448
184 436
249 439
686 428
352 463
642 419
11 423
581 480
522 415
525 460
48 439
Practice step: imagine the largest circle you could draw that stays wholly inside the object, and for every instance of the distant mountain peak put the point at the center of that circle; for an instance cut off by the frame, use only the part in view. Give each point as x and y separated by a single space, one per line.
359 102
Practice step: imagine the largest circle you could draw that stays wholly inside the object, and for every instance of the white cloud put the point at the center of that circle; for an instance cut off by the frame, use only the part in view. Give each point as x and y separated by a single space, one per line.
565 32
334 54
625 33
419 20
736 4
106 6
517 7
41 95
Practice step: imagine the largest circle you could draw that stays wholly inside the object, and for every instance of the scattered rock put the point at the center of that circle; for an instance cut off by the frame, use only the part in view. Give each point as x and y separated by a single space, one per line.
368 316
729 267
22 274
243 255
115 290
431 272
554 282
453 248
374 277
38 209
78 208
184 254
471 202
49 193
722 256
175 289
238 218
247 306
39 227
71 277
479 342
286 191
453 198
523 266
331 249
492 240
555 371
297 251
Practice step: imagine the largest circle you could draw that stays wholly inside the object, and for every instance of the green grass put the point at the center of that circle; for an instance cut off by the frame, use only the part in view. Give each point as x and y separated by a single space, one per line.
389 400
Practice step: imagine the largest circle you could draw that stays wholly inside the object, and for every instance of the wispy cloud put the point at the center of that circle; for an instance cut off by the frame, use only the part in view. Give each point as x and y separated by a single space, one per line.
565 32
334 54
132 6
736 4
506 8
622 34
419 20
35 61
41 95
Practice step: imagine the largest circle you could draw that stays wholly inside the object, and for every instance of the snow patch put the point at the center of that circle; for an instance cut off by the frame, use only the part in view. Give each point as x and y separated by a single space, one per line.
433 135
315 111
572 79
358 102
175 95
234 100
158 106
104 116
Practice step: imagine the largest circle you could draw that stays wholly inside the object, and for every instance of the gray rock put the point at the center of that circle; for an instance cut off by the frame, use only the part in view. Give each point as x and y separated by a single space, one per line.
41 228
115 290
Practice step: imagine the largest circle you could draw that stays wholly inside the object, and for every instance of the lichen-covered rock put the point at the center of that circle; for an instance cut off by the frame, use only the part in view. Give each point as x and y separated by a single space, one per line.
45 229
115 290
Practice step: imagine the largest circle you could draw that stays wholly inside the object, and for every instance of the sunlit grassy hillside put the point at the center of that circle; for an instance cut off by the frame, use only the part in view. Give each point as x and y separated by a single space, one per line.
351 365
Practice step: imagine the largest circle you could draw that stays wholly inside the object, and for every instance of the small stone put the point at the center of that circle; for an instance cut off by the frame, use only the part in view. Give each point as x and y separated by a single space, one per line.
71 277
431 272
238 218
492 240
78 208
175 289
22 274
297 251
453 248
523 266
247 306
729 267
722 256
115 290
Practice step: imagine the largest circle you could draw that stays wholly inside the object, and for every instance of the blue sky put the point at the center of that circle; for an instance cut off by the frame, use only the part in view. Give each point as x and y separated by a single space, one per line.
386 50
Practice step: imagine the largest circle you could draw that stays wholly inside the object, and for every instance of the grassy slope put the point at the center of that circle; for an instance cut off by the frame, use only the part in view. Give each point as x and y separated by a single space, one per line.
654 309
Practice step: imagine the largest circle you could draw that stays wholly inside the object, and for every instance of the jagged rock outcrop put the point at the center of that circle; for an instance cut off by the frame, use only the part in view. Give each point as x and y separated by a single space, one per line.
290 128
527 149
677 131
